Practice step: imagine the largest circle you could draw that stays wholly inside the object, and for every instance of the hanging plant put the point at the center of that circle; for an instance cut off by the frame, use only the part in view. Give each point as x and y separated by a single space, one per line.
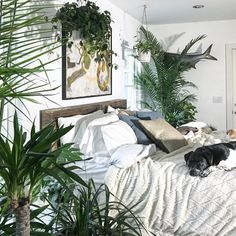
143 49
143 46
94 27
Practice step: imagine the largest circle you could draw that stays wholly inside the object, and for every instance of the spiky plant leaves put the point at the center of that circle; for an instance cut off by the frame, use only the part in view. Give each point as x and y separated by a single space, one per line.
23 164
94 213
163 84
24 38
191 43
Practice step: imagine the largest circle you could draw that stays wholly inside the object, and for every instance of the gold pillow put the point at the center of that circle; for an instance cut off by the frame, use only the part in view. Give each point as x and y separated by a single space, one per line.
163 134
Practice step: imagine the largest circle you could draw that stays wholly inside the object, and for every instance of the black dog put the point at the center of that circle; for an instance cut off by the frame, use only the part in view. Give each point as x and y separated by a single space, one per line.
206 156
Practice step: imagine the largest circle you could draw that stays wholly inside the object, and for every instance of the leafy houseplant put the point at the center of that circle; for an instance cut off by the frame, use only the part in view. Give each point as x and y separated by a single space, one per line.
93 26
143 46
88 215
144 49
24 39
21 47
24 164
163 84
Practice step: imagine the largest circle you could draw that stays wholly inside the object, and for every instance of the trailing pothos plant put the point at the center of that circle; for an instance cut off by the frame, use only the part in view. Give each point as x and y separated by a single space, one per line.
94 28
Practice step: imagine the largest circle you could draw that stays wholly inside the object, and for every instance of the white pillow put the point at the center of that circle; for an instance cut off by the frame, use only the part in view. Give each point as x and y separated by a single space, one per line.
95 146
71 120
67 121
88 135
117 134
112 109
196 124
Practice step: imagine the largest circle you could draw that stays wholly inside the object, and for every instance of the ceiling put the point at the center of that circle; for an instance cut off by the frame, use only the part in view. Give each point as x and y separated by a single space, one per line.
178 11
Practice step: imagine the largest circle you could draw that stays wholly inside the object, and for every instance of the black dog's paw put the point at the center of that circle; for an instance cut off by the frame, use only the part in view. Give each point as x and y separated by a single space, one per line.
205 173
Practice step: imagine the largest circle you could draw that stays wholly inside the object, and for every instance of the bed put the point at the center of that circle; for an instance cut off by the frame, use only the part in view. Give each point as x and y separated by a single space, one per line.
94 168
167 199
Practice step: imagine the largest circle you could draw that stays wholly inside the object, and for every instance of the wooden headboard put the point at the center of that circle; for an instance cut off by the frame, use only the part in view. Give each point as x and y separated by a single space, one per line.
50 115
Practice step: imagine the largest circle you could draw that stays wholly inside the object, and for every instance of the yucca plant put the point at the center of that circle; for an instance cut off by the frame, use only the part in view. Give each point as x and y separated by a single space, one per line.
93 213
23 165
163 83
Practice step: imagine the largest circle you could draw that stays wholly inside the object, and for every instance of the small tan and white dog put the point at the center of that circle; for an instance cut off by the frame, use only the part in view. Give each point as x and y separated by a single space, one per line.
231 133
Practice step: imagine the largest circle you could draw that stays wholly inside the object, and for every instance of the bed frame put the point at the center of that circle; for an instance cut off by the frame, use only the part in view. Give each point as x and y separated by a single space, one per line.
50 115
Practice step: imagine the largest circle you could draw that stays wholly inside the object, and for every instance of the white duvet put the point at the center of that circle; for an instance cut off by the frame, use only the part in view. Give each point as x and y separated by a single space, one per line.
170 201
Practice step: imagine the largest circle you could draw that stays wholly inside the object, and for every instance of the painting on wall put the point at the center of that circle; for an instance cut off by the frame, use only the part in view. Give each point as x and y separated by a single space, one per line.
82 75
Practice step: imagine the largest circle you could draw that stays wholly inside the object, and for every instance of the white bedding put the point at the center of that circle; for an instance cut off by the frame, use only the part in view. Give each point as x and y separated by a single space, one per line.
170 201
165 196
95 168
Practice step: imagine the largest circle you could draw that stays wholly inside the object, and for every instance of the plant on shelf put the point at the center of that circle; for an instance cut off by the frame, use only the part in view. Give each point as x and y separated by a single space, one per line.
93 26
163 83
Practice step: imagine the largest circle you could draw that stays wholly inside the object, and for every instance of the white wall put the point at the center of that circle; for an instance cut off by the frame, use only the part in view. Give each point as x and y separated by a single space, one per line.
123 27
210 75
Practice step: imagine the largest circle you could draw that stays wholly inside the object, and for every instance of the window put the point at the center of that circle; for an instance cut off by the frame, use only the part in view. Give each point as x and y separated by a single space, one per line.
131 67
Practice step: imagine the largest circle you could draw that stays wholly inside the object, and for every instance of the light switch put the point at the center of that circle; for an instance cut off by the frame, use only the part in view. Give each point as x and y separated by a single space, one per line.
217 99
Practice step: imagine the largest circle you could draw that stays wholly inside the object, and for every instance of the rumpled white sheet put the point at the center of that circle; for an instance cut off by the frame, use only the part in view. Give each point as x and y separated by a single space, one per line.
126 155
170 201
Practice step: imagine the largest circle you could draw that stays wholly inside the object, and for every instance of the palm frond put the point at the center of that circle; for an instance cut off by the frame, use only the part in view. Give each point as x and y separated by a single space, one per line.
25 37
163 84
149 36
191 43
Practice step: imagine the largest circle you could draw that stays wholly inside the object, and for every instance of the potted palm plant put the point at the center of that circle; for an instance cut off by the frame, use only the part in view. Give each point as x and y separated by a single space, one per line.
88 215
24 164
163 82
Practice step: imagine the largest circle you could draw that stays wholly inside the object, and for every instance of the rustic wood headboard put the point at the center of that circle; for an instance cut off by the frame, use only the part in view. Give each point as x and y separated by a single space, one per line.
50 115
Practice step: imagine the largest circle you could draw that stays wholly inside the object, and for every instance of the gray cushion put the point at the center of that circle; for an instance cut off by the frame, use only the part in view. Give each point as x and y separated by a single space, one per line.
163 134
152 115
132 121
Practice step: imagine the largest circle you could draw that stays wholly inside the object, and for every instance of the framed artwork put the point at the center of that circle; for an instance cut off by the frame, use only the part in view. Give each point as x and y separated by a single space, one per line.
82 76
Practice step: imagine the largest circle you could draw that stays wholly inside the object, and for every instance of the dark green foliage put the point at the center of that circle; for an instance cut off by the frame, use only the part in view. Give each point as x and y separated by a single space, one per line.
164 86
24 163
92 213
93 26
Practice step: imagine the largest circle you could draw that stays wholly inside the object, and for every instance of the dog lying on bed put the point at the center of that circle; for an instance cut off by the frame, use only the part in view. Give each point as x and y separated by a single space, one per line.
221 154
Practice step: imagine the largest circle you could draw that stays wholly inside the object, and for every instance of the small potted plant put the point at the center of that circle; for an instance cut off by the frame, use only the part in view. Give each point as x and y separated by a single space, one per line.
144 50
